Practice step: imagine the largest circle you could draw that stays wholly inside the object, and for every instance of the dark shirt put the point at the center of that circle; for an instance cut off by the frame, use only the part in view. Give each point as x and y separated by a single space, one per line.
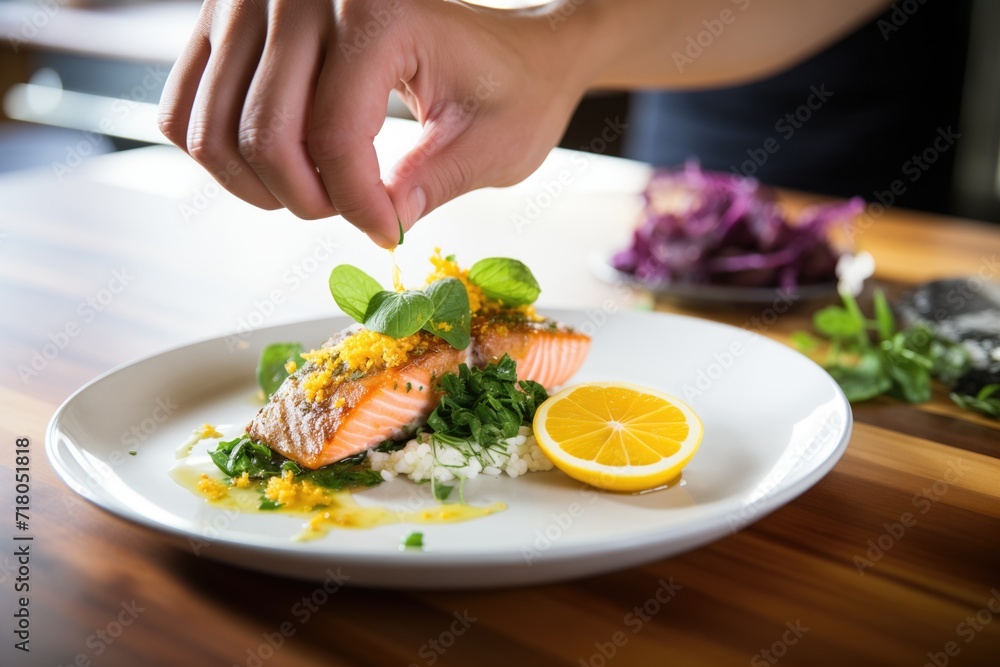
875 112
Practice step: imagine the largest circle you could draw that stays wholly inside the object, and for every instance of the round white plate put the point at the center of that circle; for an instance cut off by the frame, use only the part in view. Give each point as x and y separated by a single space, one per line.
775 423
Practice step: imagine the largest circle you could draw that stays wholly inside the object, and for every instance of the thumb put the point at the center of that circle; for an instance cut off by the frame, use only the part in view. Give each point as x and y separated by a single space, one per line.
442 166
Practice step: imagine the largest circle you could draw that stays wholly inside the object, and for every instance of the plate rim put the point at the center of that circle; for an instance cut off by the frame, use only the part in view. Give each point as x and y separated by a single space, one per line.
564 549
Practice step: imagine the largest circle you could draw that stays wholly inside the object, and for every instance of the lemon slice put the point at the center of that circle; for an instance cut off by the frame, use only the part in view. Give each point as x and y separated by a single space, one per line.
617 436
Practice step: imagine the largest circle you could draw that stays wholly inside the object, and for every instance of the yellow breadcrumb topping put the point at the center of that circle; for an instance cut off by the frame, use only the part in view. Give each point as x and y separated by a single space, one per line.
206 431
478 302
362 352
291 367
296 496
212 488
443 326
339 403
449 268
241 482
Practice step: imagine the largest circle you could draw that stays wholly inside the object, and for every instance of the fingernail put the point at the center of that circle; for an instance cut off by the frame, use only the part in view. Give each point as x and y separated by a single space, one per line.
415 205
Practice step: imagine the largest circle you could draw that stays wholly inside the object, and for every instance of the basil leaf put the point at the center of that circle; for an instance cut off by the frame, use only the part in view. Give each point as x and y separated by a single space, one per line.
506 280
398 314
414 540
353 289
836 322
271 370
442 492
451 308
804 342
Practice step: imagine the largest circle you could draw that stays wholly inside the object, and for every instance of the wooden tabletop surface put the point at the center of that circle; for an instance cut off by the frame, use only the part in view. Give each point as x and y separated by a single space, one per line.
833 578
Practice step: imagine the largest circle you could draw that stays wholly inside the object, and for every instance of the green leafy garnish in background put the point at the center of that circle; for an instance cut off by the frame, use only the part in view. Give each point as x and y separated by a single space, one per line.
900 363
271 371
986 400
506 280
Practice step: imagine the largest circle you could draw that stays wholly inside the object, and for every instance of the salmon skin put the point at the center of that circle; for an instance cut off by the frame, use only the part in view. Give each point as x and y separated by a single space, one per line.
357 414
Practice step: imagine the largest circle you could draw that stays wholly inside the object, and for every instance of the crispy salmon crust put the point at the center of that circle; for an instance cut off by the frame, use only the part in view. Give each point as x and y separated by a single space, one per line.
358 414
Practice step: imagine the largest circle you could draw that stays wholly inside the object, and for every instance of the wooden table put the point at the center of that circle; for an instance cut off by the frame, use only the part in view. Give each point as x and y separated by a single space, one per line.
197 263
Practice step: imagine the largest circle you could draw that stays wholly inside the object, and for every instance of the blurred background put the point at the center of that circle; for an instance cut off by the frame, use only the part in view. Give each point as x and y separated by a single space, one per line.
79 79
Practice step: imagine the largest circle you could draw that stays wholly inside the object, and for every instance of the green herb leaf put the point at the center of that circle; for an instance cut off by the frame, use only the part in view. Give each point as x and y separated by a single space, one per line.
353 289
414 540
398 314
836 322
485 405
864 380
352 472
268 504
451 308
442 491
805 342
986 401
244 454
271 370
506 280
884 318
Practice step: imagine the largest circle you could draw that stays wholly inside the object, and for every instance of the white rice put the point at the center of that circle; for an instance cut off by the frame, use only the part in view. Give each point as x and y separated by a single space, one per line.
418 460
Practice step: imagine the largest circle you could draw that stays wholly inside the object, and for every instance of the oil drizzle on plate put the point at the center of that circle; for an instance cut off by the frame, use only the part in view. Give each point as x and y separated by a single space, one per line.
341 512
397 275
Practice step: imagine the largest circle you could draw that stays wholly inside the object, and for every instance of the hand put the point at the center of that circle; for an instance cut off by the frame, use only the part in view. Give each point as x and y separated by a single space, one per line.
280 100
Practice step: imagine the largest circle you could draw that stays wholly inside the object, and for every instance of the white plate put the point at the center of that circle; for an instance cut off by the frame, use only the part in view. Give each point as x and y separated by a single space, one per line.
775 423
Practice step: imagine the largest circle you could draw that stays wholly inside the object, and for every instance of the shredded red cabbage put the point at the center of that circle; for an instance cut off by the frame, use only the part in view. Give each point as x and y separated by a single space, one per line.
713 228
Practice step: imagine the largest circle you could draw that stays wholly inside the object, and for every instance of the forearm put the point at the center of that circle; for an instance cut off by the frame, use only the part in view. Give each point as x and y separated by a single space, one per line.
689 44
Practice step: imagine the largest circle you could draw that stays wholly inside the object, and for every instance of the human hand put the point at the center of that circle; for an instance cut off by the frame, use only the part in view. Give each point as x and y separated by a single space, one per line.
281 101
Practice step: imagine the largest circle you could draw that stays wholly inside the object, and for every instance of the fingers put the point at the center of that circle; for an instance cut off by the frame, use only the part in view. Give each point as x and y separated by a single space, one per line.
182 83
444 164
348 112
237 37
272 133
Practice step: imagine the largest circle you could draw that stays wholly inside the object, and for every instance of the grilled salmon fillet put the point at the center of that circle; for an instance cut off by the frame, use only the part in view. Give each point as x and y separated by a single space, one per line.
352 414
545 351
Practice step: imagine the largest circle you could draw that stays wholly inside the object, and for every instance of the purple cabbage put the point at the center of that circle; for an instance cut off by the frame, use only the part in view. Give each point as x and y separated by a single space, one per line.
712 228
